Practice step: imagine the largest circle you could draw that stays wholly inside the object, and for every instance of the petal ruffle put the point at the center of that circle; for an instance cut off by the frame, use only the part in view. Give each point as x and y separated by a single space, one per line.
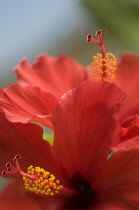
55 75
25 103
84 126
118 182
127 78
129 137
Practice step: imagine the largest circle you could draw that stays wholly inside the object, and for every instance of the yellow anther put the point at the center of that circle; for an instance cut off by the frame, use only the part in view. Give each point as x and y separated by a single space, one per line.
26 187
30 167
104 68
111 55
113 76
40 181
98 54
24 178
46 187
104 79
103 60
56 192
94 57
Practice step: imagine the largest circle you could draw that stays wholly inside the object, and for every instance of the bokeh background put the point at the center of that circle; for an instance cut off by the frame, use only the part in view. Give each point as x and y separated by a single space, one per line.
30 28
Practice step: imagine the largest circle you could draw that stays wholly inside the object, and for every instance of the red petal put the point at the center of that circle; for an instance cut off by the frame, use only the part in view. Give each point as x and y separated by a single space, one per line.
1 92
129 137
26 140
84 126
25 103
12 198
55 202
55 75
127 78
110 207
118 182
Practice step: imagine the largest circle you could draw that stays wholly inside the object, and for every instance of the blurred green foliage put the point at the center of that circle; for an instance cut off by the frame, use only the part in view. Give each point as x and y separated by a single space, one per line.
49 137
120 17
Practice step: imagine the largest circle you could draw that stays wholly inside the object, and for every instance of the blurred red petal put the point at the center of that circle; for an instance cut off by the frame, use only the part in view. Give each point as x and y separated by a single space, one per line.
84 126
127 78
129 136
111 207
12 198
45 202
26 103
53 74
118 182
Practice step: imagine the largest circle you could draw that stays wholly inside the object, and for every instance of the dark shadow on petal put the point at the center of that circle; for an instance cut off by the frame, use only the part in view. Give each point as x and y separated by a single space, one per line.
86 196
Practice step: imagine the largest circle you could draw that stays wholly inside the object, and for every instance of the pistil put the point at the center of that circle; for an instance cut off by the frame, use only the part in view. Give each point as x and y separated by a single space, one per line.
104 63
37 179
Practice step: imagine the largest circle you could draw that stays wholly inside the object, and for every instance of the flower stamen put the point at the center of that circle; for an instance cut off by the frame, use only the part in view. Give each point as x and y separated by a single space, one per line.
43 182
110 66
36 179
104 63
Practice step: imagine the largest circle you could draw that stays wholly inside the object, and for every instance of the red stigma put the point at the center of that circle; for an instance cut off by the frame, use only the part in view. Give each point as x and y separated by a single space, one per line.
4 173
8 165
12 169
89 37
99 42
99 34
17 157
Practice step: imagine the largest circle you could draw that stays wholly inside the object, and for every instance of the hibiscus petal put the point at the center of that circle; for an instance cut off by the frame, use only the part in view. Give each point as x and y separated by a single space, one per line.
26 140
55 202
12 198
129 137
127 78
25 103
84 126
118 182
55 75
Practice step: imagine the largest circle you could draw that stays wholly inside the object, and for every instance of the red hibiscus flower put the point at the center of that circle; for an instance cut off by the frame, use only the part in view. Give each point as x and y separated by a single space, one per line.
127 77
81 176
39 88
41 85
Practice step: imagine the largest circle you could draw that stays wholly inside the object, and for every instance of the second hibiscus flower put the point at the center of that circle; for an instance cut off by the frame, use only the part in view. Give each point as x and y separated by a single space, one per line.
42 84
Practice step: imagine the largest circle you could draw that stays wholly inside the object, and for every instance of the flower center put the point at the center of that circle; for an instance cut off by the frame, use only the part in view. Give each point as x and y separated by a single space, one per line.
86 195
104 63
36 179
79 196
